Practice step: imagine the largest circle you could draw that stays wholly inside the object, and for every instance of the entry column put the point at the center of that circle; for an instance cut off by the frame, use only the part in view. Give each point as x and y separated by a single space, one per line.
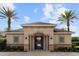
31 42
51 43
26 43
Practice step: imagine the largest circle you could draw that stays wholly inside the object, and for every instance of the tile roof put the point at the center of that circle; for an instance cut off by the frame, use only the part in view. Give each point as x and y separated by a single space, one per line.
60 30
18 30
40 23
55 30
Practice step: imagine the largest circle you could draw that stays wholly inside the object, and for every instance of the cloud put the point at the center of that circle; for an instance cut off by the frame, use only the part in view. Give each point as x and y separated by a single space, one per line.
10 5
35 10
61 10
75 30
53 21
59 5
15 26
51 11
48 9
27 18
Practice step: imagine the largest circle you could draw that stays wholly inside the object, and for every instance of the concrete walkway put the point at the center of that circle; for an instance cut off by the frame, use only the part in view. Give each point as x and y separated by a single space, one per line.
39 53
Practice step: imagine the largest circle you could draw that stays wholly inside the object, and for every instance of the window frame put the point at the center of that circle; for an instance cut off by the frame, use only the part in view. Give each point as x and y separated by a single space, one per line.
61 39
16 39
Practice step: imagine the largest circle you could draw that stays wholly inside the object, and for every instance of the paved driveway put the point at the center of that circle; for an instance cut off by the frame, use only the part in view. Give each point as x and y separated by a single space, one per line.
39 53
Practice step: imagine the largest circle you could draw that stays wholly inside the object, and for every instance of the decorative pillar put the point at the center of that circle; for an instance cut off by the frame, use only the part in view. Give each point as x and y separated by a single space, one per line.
46 42
30 42
33 43
26 43
51 43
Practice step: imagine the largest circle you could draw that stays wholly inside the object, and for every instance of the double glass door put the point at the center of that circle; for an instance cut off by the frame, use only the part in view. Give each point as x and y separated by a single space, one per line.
38 42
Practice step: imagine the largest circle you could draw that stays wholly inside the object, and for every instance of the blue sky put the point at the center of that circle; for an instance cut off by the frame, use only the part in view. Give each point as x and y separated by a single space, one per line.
42 12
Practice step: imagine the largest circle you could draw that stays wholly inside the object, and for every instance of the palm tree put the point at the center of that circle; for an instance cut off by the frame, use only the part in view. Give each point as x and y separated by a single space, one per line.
67 17
7 13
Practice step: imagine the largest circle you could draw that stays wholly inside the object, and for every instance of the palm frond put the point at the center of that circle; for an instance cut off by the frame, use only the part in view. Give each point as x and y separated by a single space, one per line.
9 14
2 13
15 17
61 23
2 17
67 17
72 21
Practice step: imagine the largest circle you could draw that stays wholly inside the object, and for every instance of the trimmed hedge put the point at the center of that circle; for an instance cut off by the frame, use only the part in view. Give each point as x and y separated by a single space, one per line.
65 49
2 44
4 47
14 48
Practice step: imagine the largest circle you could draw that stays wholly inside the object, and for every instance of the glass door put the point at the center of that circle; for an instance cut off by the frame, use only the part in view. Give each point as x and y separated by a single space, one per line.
38 42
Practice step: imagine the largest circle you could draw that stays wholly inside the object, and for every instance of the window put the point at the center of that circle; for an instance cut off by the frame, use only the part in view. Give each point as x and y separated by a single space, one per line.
16 39
61 39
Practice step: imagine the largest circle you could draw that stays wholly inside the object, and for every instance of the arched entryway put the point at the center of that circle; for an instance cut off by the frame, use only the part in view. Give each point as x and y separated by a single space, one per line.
38 41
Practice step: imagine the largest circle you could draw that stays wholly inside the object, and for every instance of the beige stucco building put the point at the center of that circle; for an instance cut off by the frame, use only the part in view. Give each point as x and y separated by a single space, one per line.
39 36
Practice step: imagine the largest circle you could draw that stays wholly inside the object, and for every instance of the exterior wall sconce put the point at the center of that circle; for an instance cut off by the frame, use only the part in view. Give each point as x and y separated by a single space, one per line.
51 38
25 37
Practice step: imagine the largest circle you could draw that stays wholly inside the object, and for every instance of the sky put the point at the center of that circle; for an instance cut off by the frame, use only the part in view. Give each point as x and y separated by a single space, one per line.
40 12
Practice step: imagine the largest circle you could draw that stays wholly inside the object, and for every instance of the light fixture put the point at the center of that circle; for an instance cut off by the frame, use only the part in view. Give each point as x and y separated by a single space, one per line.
51 38
25 37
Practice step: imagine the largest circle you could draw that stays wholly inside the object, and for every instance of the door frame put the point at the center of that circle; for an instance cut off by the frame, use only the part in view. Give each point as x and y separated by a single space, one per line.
41 43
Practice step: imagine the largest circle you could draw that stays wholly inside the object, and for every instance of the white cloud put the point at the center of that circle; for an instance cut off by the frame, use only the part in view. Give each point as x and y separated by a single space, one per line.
51 11
72 27
61 10
35 10
75 30
15 26
10 5
59 5
53 21
27 18
48 10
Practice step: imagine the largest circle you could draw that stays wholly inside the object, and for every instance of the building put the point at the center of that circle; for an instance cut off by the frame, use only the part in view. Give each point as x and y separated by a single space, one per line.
39 36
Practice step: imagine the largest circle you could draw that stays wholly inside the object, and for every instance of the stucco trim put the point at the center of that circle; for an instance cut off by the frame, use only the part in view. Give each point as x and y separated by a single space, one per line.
62 33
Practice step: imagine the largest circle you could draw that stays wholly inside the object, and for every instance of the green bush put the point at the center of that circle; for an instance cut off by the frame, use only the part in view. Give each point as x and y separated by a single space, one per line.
64 49
75 39
3 47
76 48
13 48
20 48
8 48
2 44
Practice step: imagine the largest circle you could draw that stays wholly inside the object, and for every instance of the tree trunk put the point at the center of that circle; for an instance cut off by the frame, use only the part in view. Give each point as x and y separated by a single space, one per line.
68 25
9 24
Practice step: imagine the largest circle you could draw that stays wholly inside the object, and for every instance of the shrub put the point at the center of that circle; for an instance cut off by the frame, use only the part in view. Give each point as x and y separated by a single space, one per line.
20 48
2 44
63 49
76 48
3 47
60 49
13 48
